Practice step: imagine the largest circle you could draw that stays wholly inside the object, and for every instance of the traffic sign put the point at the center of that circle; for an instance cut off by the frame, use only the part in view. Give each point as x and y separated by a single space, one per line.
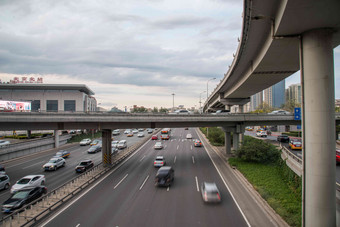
297 113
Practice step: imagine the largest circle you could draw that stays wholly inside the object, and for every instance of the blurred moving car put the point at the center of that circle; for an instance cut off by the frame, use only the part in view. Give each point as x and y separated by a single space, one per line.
221 112
114 143
114 150
95 142
62 154
158 145
295 144
261 134
28 181
22 197
135 131
54 164
130 134
279 112
140 129
337 153
165 176
181 112
149 130
159 161
141 134
94 149
4 143
84 165
154 137
4 182
122 144
116 132
197 143
85 142
127 131
210 193
283 138
189 136
2 170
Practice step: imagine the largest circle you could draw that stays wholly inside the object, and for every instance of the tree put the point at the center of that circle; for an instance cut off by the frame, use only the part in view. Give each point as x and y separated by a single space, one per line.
163 110
264 108
290 105
155 110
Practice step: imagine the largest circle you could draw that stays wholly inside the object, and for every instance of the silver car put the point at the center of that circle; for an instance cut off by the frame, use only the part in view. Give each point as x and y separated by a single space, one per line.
4 182
210 193
54 163
158 145
28 181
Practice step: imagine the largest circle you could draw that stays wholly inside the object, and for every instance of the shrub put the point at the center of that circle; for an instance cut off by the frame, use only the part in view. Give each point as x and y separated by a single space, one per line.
258 151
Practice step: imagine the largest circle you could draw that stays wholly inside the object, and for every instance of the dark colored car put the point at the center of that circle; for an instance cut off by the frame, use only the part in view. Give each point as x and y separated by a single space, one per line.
283 138
84 165
94 149
22 197
165 176
63 154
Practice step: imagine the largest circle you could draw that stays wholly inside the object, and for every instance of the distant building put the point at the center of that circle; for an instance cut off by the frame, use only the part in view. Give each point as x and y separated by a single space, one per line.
51 97
274 96
293 92
337 102
256 100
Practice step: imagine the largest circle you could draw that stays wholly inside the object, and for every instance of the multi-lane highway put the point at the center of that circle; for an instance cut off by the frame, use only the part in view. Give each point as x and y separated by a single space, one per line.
128 196
29 165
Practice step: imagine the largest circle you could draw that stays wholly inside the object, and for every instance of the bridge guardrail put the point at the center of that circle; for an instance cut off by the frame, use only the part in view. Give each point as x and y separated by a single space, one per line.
65 192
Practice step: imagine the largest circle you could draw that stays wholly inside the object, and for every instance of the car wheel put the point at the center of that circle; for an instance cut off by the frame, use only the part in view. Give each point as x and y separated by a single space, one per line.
64 164
55 168
6 186
42 182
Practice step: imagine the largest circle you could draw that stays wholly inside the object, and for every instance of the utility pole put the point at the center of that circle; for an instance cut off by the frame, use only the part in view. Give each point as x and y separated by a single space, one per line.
173 102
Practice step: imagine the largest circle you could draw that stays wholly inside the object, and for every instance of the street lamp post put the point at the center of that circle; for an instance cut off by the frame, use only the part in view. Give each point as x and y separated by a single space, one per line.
208 100
173 102
201 102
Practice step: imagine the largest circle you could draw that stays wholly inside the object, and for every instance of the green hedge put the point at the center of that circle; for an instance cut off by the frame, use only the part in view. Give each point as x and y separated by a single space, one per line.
79 137
293 133
215 135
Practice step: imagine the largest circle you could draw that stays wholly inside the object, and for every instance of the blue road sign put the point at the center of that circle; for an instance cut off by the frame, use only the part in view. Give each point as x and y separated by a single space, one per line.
299 127
297 114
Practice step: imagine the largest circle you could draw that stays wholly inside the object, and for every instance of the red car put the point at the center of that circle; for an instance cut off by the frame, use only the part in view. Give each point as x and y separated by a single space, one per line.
154 137
337 156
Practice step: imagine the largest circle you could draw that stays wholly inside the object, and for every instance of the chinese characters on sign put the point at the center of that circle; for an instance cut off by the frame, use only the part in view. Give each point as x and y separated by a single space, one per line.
26 80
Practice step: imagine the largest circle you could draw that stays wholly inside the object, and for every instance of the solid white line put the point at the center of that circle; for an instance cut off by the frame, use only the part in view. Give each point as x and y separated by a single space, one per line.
191 147
142 158
193 159
198 189
238 206
34 164
177 147
85 192
120 181
78 225
144 182
175 160
168 189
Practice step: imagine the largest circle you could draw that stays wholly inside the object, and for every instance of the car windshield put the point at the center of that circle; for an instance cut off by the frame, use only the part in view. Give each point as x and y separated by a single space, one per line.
162 173
20 195
83 164
59 153
53 161
24 181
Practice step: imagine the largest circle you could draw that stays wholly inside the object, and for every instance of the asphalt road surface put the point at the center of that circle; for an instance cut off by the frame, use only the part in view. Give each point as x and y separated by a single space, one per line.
32 165
128 196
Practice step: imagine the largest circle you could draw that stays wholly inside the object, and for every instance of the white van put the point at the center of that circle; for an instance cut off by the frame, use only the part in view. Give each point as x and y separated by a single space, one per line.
122 144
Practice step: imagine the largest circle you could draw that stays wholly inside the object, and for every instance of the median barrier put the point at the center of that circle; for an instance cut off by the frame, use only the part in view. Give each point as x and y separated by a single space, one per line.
37 210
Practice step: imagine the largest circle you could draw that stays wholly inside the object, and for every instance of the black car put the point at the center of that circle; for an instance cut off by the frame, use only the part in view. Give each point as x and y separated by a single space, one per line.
94 149
22 197
165 176
84 165
283 138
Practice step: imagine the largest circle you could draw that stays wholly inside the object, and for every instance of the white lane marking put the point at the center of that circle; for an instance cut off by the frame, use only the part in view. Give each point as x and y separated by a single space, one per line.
142 158
191 147
165 146
168 188
198 189
177 147
193 159
34 164
175 160
78 225
238 206
144 182
120 181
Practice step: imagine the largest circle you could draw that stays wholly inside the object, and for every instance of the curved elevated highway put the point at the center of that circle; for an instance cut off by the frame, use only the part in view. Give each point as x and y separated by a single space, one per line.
279 38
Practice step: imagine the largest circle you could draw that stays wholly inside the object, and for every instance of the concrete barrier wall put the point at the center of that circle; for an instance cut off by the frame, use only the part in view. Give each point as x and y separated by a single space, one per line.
32 146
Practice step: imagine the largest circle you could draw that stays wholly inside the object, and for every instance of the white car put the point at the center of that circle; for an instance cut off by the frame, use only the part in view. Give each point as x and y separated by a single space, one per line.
279 112
28 181
114 143
141 134
85 142
127 131
159 161
158 145
189 136
135 131
4 143
54 163
181 112
116 132
261 134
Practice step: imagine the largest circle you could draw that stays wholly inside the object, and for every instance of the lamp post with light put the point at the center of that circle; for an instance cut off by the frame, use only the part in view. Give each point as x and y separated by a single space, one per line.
208 100
201 102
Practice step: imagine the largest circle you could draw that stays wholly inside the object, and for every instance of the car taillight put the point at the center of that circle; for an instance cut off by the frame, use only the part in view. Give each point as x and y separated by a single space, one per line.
205 196
218 196
154 162
162 163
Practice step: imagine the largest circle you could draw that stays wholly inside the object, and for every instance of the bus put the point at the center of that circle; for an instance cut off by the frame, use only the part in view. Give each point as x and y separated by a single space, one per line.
165 133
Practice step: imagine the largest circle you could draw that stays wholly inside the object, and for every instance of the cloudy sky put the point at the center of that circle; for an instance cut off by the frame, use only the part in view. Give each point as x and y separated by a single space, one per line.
128 52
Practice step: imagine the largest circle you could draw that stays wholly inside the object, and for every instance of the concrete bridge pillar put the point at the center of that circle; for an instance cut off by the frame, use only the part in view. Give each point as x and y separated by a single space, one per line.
56 138
106 146
236 137
317 72
227 139
240 108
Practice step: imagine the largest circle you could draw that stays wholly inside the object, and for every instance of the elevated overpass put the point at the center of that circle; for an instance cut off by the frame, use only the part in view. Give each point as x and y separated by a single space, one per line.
279 38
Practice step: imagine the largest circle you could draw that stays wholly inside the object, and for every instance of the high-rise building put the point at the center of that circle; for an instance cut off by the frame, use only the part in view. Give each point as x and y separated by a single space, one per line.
293 92
274 96
256 100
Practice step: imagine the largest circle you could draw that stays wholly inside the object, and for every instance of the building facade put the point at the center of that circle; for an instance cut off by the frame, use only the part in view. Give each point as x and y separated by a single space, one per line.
293 92
256 100
274 96
51 97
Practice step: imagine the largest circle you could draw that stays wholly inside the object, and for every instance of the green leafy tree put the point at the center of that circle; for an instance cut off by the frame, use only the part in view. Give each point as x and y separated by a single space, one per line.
264 108
290 105
139 110
163 110
155 110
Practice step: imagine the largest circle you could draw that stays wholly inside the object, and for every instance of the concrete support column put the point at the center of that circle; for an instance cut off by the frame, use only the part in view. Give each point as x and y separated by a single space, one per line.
227 140
106 146
235 140
240 108
317 72
56 138
29 134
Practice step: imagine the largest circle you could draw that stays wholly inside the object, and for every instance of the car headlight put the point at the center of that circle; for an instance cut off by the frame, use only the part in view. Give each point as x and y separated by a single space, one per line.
52 166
